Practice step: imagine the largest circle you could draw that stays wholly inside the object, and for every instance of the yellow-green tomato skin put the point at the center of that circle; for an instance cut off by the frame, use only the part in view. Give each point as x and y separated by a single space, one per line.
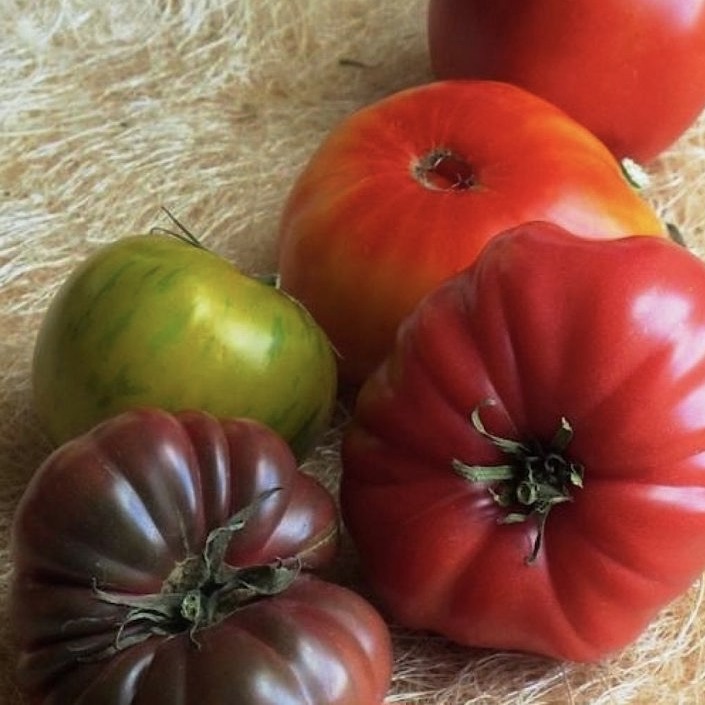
151 320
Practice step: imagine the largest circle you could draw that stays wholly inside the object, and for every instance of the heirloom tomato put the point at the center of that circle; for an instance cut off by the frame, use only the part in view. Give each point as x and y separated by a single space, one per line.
154 320
526 471
405 192
167 559
631 71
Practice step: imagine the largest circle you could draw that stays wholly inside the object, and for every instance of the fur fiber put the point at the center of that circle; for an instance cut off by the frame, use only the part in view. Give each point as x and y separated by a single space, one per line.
111 110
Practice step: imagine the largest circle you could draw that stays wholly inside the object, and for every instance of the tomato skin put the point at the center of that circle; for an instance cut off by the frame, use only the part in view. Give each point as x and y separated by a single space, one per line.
362 239
151 320
523 327
632 72
122 507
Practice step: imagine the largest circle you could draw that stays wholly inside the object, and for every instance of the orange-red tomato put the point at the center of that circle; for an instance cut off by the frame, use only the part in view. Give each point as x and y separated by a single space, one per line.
406 192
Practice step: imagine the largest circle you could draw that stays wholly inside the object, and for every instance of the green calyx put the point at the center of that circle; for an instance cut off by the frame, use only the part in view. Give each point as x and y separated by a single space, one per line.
536 478
200 591
181 233
635 174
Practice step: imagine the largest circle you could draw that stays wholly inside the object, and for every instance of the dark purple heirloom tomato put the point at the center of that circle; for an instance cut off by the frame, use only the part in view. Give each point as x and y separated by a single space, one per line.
166 560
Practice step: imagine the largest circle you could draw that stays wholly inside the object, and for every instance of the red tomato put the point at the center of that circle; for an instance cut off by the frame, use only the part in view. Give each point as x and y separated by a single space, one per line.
526 470
164 560
405 193
631 71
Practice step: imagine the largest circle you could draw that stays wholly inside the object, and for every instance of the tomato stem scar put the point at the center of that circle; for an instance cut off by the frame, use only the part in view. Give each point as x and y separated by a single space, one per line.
201 590
537 477
443 170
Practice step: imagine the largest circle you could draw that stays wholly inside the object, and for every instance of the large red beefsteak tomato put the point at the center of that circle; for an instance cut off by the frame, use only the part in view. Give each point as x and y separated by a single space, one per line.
527 469
405 192
632 71
165 560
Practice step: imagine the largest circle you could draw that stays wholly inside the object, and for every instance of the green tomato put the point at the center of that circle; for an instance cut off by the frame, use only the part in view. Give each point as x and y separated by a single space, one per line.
154 320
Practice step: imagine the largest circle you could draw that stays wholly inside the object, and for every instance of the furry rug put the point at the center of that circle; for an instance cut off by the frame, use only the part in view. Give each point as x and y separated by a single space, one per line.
109 111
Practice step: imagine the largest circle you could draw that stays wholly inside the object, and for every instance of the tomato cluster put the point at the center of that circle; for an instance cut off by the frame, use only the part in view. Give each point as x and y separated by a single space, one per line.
523 468
170 550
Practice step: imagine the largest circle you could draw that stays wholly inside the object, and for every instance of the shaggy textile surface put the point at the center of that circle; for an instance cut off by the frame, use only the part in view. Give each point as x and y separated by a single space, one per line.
109 111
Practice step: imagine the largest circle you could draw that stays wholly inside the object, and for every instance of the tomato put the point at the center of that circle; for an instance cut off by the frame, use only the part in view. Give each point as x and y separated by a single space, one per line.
526 470
632 72
406 191
167 559
153 320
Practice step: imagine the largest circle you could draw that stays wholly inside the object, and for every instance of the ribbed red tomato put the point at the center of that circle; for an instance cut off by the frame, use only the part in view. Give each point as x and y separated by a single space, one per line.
632 71
405 192
527 469
166 560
